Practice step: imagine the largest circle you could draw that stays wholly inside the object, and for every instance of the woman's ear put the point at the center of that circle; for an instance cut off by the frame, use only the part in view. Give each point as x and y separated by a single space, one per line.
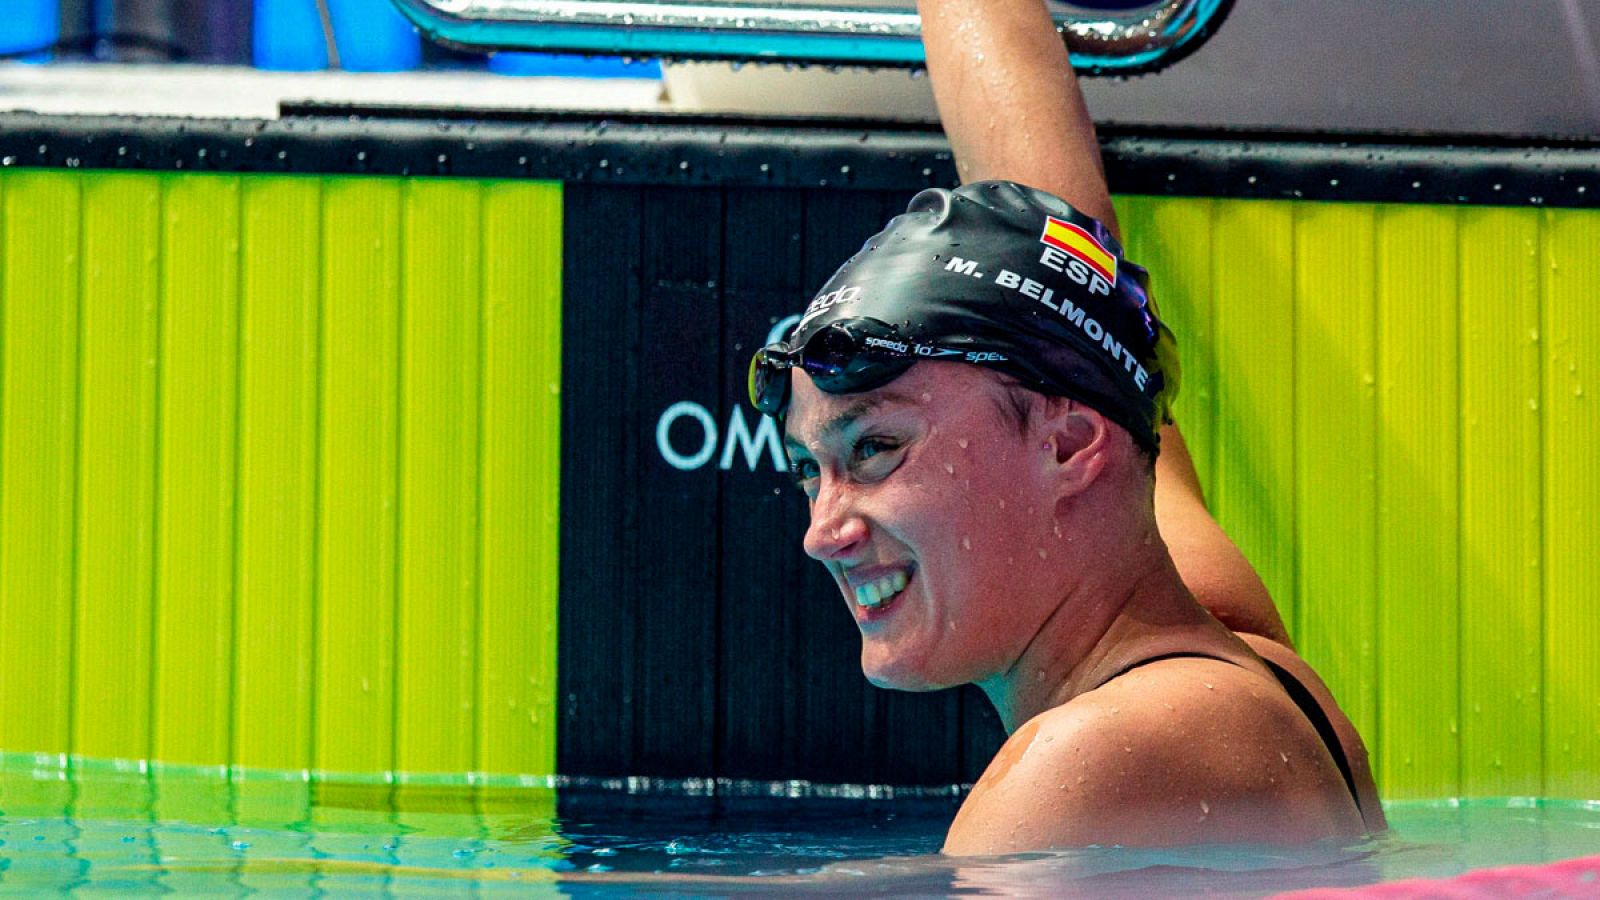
1077 439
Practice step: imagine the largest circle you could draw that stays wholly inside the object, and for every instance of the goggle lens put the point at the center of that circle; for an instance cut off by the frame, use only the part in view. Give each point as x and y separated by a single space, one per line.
769 379
837 358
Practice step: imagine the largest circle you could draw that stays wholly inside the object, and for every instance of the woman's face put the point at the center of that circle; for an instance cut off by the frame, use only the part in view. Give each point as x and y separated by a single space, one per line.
933 511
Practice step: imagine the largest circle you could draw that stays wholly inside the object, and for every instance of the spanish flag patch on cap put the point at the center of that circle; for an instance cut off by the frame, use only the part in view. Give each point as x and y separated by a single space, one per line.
1081 245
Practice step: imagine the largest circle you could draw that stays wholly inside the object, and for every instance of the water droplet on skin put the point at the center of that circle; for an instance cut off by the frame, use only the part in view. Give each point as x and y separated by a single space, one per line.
962 443
1043 554
949 469
966 543
1205 808
1283 756
927 397
1210 686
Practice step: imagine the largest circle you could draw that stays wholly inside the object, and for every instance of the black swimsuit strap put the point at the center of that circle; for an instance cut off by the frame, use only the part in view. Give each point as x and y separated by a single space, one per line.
1319 720
1308 705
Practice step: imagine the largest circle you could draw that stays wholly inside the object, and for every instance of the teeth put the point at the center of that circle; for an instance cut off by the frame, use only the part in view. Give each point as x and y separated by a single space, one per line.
869 595
879 592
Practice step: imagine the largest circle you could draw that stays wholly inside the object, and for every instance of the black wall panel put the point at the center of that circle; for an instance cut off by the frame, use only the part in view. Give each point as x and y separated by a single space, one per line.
697 640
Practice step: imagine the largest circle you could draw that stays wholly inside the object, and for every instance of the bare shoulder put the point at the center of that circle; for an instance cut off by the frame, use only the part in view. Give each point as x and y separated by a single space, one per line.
1183 751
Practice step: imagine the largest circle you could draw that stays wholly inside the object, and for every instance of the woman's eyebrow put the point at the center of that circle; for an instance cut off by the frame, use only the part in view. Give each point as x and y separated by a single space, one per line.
846 419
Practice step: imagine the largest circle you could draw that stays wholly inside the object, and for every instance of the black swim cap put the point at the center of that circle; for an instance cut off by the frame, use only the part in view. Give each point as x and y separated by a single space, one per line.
1004 275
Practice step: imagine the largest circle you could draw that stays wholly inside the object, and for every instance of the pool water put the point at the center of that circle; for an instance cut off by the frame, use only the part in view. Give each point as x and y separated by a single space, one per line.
125 828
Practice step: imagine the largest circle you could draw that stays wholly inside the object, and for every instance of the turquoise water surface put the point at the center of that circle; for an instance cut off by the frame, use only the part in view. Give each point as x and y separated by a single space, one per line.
71 825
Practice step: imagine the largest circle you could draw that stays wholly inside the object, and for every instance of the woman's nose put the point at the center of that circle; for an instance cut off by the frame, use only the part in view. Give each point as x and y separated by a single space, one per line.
836 530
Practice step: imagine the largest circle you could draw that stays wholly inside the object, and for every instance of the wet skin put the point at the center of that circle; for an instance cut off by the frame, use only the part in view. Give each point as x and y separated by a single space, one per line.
1032 567
924 477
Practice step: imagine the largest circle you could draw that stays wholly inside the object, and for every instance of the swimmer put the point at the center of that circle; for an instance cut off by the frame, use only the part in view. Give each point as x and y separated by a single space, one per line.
976 408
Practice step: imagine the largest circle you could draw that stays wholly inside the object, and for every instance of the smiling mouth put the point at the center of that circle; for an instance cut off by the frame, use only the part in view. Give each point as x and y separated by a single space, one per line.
877 593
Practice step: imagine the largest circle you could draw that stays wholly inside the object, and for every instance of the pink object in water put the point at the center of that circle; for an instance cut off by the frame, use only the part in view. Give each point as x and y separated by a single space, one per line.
1569 878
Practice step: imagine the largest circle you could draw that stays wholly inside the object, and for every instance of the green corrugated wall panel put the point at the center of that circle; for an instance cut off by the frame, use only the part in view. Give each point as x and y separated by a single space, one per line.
1445 480
195 497
519 508
439 388
244 397
280 282
1253 298
1501 603
360 446
117 430
1335 474
1571 503
1418 502
1171 237
40 275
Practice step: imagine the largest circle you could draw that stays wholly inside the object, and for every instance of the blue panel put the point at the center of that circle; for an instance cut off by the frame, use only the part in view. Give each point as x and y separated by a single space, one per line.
371 36
29 24
374 37
573 66
288 36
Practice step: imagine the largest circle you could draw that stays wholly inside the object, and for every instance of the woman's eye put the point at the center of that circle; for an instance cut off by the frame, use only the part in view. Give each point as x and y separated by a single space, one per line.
802 471
875 457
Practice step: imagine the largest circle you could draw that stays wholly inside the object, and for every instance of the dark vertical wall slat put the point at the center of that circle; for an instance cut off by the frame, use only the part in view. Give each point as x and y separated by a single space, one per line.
599 580
767 586
676 644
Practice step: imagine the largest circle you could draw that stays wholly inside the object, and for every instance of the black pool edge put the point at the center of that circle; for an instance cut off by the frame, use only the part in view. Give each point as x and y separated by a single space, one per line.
726 150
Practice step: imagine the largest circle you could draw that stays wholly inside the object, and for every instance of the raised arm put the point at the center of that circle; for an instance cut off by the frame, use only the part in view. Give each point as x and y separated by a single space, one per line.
1011 107
1009 100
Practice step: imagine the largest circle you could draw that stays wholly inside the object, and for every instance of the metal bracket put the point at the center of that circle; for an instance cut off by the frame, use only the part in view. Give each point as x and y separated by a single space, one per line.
1141 38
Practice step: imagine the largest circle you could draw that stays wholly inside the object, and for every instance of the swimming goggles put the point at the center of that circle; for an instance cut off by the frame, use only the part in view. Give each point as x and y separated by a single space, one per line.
853 355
